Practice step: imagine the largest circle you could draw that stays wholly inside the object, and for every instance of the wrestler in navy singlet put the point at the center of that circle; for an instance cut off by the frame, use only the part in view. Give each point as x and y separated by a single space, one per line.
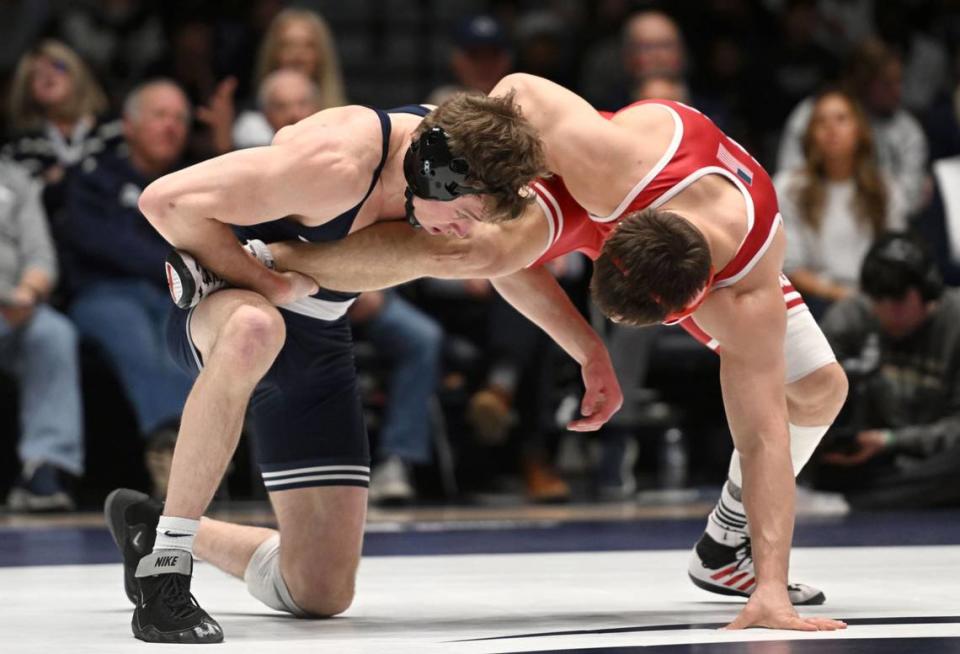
305 413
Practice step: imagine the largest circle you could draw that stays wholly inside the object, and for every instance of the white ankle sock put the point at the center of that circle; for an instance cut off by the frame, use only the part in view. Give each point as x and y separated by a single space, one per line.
176 534
727 523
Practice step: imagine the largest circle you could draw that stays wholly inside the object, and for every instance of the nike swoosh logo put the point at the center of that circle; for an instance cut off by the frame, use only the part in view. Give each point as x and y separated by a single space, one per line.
135 541
170 534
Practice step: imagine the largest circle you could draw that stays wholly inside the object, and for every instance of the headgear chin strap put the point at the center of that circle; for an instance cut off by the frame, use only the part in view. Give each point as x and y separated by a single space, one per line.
408 208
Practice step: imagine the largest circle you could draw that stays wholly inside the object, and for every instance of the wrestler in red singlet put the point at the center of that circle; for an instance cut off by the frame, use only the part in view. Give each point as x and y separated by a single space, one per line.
698 148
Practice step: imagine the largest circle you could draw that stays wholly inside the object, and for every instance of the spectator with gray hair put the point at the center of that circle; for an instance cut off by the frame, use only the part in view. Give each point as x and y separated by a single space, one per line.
39 346
114 260
285 96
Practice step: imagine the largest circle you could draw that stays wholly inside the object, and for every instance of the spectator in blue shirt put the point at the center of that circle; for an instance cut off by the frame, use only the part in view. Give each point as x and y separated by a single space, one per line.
114 259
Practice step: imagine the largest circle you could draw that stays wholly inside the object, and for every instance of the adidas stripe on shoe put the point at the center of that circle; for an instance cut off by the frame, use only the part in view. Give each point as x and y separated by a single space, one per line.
729 570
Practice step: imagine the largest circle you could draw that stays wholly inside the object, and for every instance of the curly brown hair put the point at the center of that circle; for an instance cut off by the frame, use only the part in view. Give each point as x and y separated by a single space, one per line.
501 147
653 264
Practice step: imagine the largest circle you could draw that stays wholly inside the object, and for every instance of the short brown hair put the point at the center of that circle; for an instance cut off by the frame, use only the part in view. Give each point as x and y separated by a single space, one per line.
501 147
653 264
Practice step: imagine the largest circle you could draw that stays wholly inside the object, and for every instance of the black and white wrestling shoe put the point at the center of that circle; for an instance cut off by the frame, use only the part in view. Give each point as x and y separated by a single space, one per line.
167 611
728 570
189 282
132 519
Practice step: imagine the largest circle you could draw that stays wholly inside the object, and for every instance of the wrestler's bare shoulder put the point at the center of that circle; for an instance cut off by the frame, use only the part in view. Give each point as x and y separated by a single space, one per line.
350 133
648 117
654 123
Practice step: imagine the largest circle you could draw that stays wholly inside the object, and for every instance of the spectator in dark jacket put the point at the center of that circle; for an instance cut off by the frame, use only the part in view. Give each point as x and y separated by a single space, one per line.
114 258
57 114
900 342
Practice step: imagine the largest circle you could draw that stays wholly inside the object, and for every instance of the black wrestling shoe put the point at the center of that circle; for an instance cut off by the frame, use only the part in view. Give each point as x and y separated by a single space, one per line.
166 610
189 282
132 519
728 570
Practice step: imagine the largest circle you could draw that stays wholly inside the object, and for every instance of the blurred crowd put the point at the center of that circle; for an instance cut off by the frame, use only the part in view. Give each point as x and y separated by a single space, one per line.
852 105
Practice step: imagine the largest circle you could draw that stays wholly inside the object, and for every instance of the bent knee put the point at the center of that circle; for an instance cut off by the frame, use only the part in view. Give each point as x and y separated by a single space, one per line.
819 396
252 333
835 386
325 598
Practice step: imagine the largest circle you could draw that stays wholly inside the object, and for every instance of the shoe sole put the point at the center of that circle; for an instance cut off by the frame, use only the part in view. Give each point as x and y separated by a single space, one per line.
151 634
816 600
180 282
114 515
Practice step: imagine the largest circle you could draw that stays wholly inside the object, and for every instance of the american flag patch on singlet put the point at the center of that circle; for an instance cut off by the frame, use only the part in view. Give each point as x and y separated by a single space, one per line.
737 168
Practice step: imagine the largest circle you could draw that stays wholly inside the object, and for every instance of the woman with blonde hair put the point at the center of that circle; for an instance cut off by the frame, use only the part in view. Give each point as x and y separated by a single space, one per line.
55 108
300 40
837 203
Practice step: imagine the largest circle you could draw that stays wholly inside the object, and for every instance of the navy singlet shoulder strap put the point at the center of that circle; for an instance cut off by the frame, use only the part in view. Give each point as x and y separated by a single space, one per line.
385 129
415 109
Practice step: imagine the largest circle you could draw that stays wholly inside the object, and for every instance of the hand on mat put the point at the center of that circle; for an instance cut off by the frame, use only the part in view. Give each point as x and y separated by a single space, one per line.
773 610
602 396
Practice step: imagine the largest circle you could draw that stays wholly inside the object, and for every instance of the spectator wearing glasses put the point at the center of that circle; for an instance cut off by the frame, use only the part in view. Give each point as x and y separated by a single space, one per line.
56 110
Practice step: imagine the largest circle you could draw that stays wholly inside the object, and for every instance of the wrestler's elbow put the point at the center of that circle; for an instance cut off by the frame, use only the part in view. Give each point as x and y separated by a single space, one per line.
154 203
172 210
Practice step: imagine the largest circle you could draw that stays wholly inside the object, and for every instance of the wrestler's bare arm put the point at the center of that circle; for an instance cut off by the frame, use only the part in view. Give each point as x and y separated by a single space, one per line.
580 145
749 319
391 253
535 293
752 373
318 167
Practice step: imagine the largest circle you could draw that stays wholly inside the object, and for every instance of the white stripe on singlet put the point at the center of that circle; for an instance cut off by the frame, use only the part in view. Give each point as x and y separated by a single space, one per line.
653 172
312 307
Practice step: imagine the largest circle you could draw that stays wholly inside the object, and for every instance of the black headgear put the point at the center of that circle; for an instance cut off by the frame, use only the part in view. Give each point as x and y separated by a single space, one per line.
432 172
897 262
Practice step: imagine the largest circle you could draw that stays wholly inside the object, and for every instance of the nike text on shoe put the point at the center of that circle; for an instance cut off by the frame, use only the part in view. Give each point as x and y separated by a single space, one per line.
728 570
132 520
166 611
